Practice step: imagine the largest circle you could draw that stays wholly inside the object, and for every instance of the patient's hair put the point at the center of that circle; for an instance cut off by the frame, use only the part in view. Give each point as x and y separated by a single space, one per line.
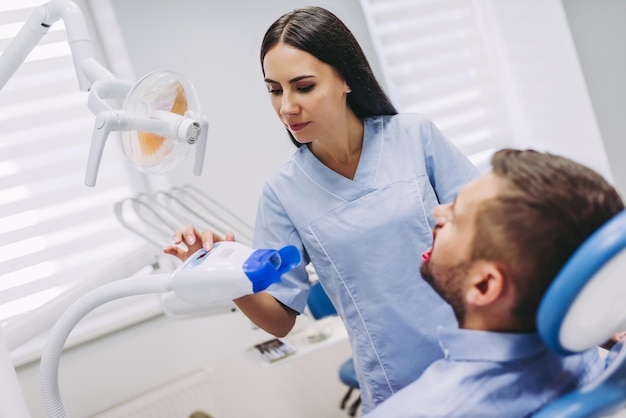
547 208
322 34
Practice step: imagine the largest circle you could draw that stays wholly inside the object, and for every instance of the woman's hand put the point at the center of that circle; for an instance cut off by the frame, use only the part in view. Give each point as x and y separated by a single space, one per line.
194 240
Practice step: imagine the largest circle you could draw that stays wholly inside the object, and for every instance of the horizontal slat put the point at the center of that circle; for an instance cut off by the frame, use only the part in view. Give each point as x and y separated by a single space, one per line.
20 4
435 62
14 13
45 219
58 189
11 307
412 28
67 268
65 184
30 136
45 110
58 249
32 87
438 87
471 97
427 50
466 126
491 106
455 53
30 76
49 154
391 10
435 86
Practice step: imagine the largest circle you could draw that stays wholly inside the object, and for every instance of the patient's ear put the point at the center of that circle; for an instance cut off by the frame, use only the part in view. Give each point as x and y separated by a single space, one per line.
486 283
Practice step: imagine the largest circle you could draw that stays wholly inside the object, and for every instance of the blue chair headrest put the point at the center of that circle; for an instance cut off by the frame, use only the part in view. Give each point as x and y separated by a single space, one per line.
584 305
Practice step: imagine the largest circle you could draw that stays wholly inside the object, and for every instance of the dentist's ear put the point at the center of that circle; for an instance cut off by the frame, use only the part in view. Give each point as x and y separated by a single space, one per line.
486 285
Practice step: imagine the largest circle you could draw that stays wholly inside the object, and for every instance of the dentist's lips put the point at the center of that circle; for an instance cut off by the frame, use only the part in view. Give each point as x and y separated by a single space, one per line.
295 127
426 255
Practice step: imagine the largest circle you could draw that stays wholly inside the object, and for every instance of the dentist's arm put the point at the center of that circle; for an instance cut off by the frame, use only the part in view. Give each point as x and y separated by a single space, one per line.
267 313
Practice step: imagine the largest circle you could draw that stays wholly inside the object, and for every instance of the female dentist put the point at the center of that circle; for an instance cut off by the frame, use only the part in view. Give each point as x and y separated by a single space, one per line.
356 198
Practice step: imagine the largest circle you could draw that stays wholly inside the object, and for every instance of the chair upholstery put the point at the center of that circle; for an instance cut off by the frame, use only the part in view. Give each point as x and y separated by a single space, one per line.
583 308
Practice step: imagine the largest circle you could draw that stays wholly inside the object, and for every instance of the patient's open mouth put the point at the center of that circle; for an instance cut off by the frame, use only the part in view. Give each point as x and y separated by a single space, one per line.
426 255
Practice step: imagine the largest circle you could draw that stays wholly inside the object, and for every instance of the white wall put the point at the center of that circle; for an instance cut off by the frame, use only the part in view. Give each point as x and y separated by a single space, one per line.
598 31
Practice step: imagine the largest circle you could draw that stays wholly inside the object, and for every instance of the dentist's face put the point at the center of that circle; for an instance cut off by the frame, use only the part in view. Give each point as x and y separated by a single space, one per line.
447 264
308 95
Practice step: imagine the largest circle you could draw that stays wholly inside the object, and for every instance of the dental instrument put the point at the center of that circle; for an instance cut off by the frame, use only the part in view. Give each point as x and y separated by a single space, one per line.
228 271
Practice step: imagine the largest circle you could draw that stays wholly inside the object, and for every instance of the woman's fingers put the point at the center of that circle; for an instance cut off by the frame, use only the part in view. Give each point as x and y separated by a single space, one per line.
176 252
194 240
191 235
209 238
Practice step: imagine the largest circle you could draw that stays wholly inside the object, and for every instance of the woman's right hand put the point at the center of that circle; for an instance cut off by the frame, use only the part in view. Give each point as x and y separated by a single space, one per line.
194 240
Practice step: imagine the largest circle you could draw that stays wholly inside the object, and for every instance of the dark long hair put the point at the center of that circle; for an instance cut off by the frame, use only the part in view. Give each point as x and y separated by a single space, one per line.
322 34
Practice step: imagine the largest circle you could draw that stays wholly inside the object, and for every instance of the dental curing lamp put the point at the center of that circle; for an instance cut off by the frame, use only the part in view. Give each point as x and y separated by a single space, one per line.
230 270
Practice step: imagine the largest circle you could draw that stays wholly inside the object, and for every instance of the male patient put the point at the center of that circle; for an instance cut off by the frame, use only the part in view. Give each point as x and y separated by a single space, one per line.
496 249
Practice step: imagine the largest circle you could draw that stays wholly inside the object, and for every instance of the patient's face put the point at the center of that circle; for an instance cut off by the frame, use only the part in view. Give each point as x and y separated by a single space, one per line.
447 265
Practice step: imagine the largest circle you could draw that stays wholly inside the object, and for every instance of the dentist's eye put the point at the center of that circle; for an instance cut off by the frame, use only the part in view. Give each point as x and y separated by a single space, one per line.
274 88
306 89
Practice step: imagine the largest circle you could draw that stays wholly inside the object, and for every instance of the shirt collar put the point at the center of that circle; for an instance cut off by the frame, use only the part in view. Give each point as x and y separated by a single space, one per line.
473 345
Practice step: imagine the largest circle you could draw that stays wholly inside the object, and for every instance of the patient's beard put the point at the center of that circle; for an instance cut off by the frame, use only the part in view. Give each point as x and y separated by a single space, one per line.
448 281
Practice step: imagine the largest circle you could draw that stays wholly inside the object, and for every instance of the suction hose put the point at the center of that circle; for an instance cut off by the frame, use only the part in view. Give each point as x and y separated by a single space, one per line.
50 358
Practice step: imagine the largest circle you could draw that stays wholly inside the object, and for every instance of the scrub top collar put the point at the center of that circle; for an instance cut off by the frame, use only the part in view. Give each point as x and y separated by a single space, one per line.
366 169
473 345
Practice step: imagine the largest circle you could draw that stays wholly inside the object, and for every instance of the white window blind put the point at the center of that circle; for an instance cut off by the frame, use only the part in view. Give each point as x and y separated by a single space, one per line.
435 61
54 230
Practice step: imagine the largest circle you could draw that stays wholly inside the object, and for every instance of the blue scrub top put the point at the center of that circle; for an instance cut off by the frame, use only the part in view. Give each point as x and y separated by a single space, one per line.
365 238
489 374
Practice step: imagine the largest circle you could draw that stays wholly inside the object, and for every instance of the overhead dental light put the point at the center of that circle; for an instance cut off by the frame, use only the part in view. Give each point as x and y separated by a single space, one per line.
159 116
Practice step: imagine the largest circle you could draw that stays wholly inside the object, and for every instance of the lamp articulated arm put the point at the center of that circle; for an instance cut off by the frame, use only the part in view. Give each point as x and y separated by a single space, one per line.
87 68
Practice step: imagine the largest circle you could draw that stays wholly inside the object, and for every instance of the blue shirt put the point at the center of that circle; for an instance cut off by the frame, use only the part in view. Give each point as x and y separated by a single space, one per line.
365 238
488 374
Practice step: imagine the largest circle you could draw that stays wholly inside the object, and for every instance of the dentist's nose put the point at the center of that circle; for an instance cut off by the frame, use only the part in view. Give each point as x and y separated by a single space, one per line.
288 105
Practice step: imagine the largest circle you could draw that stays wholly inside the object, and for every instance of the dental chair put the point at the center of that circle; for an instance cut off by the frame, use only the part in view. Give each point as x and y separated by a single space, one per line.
320 306
584 307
